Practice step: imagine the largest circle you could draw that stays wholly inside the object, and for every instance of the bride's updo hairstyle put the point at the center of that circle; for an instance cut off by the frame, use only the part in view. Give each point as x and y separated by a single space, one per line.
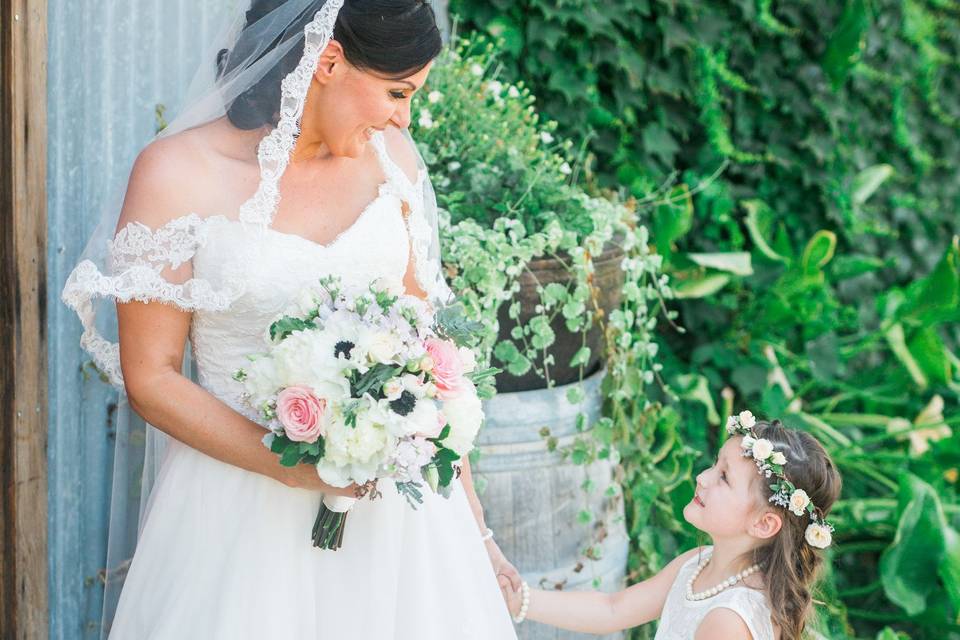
389 38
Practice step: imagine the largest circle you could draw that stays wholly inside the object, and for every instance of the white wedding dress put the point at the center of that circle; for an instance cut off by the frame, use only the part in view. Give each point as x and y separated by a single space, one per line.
225 553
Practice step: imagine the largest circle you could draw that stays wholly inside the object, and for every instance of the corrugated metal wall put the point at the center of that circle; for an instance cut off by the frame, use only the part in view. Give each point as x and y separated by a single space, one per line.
110 63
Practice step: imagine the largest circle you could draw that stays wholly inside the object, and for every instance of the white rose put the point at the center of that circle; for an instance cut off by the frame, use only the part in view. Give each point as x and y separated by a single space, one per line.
464 414
818 536
778 458
434 97
799 501
424 419
747 419
762 449
468 358
747 442
380 346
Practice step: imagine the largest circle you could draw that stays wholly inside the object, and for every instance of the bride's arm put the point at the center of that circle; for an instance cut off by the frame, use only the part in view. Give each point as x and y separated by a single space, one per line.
501 566
152 339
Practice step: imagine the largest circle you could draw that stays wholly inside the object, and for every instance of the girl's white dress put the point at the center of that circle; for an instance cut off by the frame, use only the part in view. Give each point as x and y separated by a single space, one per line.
681 617
226 554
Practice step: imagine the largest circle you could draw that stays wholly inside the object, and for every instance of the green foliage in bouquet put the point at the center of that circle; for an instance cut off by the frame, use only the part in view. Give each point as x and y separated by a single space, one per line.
816 278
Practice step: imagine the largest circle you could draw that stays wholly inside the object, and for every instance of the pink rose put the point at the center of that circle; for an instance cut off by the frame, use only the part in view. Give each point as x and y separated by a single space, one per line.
301 413
447 365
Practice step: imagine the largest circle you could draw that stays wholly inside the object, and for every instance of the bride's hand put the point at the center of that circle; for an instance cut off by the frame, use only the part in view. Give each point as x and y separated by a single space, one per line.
510 596
502 567
304 476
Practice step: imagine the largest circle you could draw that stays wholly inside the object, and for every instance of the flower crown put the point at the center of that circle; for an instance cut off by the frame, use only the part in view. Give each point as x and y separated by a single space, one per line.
819 532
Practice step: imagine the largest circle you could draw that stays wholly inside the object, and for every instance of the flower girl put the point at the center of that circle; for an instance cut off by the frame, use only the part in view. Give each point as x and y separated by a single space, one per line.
767 529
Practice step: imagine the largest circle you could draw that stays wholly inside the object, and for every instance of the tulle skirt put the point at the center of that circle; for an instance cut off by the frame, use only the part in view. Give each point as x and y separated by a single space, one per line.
226 553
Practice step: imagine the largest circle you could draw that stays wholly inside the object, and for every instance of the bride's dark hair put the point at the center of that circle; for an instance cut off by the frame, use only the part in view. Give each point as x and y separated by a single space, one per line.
391 38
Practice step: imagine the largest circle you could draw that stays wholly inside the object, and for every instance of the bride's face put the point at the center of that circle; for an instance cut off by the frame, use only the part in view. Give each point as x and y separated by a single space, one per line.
350 103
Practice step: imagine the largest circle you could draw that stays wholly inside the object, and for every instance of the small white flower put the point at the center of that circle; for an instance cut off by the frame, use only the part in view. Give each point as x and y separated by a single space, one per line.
546 138
453 166
818 536
476 69
799 501
762 449
426 119
393 389
747 419
565 169
434 97
495 87
747 442
731 425
778 458
512 92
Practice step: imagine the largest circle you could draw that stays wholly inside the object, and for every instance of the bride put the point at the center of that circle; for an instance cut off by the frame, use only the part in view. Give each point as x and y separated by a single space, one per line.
291 163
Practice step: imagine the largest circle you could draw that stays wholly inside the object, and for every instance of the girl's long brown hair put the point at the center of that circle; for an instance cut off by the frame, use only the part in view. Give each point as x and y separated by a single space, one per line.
792 566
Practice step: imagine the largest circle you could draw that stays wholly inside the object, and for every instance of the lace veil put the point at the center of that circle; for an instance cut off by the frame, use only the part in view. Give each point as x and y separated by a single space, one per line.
141 254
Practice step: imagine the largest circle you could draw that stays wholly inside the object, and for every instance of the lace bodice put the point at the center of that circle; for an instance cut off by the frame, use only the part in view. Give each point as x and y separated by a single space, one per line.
681 617
241 274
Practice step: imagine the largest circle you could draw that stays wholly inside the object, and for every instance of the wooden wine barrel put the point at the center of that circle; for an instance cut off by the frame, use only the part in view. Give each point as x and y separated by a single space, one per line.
533 497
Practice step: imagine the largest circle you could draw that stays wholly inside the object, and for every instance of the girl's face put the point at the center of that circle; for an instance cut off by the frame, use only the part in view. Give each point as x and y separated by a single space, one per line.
727 502
356 103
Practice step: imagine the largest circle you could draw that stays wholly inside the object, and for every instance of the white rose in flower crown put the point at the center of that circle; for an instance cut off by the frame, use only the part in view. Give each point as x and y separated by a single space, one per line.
778 458
747 442
762 449
464 414
747 419
799 501
818 536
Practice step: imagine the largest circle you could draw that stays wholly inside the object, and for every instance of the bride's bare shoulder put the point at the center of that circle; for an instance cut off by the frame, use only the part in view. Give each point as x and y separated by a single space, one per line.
171 176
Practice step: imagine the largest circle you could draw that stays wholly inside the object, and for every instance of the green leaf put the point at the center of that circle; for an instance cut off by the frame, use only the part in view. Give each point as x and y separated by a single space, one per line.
696 388
506 30
936 298
851 266
737 263
930 354
575 394
868 181
287 325
950 568
581 357
290 457
819 251
673 219
760 222
701 287
909 567
897 340
847 42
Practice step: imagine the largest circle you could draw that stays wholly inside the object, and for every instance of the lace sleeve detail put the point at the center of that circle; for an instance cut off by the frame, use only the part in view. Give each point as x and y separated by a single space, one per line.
149 266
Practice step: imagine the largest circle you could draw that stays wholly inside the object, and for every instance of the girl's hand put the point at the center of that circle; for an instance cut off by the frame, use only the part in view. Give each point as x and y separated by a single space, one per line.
510 595
502 566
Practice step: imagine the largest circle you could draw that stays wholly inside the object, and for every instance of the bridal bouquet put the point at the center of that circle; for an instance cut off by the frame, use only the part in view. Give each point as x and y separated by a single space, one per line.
367 384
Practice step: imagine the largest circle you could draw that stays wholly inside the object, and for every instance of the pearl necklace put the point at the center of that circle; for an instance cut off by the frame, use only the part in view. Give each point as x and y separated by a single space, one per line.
729 582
